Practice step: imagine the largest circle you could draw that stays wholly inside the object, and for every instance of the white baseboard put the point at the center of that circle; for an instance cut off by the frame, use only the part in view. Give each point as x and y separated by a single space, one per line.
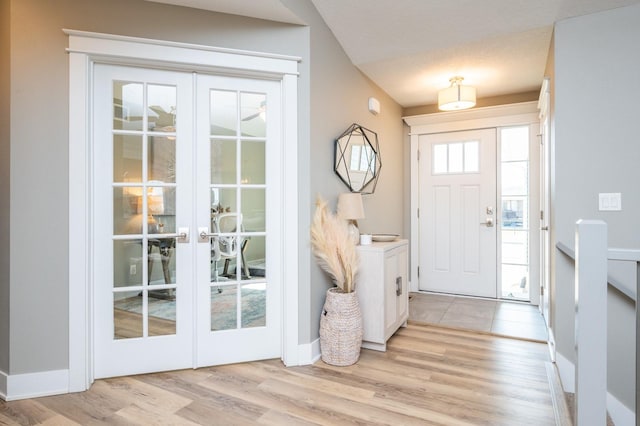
3 385
34 385
309 353
551 343
620 413
567 373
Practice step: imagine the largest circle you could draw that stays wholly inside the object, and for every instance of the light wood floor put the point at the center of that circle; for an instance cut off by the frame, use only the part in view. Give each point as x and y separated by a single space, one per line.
429 375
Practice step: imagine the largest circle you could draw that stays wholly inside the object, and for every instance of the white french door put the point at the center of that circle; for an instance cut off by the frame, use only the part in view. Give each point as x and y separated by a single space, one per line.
457 178
176 155
238 186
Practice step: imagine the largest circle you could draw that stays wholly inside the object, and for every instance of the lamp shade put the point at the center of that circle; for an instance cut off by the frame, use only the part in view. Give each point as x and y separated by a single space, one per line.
350 206
456 96
155 201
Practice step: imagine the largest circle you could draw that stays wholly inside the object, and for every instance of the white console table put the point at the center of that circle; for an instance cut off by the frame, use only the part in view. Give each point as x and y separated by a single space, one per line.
382 290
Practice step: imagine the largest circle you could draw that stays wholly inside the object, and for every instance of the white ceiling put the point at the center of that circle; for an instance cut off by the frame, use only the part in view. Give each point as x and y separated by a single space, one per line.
411 48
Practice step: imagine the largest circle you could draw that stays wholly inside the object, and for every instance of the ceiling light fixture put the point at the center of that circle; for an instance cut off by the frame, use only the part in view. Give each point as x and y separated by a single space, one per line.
456 96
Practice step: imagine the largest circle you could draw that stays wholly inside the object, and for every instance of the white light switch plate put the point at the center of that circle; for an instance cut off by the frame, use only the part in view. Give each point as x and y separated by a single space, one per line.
610 201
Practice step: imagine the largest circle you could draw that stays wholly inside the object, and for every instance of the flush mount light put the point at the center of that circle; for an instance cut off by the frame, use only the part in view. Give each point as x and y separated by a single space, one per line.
456 96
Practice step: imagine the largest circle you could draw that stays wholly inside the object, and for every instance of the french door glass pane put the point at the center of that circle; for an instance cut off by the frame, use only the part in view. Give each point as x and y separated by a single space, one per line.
223 161
254 304
161 261
128 110
161 104
253 112
162 314
253 209
127 210
223 113
127 158
166 217
255 255
127 315
127 263
161 158
253 162
224 307
224 200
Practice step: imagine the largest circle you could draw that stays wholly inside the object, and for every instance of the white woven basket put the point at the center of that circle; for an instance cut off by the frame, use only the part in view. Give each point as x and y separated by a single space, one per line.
340 328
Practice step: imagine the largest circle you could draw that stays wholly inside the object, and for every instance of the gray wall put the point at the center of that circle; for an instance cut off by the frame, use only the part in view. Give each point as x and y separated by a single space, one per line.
339 97
332 95
39 134
4 184
596 150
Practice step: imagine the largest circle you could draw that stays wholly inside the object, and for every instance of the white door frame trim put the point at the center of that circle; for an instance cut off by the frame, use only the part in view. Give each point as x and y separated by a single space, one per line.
473 119
84 50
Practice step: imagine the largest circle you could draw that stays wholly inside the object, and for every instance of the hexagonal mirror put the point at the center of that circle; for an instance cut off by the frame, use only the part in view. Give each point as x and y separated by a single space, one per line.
357 159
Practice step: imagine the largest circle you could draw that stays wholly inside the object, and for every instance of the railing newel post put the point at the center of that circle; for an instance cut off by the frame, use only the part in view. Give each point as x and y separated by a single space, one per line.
591 322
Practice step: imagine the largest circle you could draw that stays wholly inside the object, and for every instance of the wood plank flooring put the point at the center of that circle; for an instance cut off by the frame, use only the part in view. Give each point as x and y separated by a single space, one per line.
428 376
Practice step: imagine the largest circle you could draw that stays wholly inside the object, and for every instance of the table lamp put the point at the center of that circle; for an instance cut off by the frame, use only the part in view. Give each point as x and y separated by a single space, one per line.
350 208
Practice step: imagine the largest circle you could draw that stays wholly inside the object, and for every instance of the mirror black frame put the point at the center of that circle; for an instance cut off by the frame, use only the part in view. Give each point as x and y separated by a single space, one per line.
362 142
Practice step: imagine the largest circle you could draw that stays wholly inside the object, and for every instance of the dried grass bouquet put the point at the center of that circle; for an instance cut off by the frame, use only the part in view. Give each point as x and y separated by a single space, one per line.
333 248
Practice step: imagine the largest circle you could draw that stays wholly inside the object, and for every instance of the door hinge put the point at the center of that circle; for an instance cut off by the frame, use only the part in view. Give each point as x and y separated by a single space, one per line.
418 155
418 211
418 272
541 214
541 291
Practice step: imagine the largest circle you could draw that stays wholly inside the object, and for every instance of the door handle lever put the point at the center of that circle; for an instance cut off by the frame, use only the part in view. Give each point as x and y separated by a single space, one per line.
488 223
204 235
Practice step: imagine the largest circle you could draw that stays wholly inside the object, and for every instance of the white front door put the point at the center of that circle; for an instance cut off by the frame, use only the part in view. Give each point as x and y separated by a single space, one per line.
457 207
176 154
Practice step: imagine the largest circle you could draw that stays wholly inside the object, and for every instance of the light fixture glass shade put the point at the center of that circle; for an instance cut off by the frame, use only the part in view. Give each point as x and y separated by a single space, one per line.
456 96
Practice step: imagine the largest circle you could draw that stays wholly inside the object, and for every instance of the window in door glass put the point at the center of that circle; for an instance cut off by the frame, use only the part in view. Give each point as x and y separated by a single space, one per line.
456 157
514 211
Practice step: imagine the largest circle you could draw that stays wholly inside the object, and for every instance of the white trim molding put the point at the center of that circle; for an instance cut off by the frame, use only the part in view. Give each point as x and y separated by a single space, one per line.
3 385
620 413
85 49
309 353
33 385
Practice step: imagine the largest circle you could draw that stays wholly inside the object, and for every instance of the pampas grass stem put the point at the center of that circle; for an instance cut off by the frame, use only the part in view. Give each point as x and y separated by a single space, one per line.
333 247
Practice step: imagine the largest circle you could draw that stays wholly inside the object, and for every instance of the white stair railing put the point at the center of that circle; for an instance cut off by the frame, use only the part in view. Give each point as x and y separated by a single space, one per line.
591 278
591 322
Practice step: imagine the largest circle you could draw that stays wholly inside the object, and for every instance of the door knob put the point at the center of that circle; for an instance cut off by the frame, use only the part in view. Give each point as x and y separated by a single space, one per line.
488 223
